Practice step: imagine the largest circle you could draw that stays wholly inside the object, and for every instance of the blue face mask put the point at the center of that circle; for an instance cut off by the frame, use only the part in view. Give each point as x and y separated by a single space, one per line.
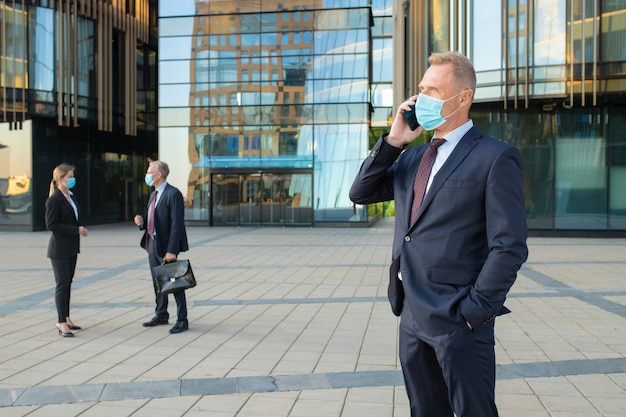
71 182
149 180
428 111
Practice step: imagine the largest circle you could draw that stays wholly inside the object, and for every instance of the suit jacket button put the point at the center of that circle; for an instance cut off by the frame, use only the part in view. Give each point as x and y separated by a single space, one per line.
407 238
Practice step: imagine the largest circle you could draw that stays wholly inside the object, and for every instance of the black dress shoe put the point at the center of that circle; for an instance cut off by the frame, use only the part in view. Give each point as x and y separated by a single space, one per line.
180 326
155 322
74 327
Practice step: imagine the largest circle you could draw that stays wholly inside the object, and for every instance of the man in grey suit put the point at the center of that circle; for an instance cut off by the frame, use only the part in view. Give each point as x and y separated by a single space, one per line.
164 238
457 248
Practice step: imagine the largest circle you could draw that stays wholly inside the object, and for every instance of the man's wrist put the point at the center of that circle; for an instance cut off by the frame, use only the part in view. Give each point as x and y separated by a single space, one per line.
391 141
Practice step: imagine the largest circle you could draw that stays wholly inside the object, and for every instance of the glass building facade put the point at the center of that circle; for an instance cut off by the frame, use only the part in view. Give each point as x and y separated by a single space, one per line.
78 85
551 79
265 107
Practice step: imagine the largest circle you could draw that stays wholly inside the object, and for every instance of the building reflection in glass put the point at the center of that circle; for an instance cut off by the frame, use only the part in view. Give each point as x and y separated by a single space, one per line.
273 104
16 194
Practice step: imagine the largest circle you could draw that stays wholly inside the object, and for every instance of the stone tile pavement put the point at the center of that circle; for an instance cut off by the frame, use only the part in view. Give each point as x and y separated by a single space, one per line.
292 322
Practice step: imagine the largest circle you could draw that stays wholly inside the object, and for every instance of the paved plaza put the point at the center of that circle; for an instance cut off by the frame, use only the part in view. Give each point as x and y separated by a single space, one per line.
291 322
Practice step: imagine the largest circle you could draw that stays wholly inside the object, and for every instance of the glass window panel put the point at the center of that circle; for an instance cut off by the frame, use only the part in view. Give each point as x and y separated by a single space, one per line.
86 77
16 173
486 26
175 48
382 7
613 31
342 18
489 77
341 113
175 116
269 39
176 26
174 71
550 32
250 22
383 26
174 95
439 22
15 60
41 75
382 95
177 8
341 66
549 89
617 164
581 173
382 60
341 42
336 166
382 117
297 53
339 91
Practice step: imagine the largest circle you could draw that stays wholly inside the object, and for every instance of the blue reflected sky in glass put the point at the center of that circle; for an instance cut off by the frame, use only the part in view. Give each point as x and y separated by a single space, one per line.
175 48
382 7
382 57
42 56
487 15
177 8
550 36
340 64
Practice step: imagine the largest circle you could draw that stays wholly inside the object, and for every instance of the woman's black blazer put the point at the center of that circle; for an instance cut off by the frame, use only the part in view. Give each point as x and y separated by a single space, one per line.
62 222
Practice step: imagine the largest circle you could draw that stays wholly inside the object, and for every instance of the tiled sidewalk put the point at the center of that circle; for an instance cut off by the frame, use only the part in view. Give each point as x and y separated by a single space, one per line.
292 322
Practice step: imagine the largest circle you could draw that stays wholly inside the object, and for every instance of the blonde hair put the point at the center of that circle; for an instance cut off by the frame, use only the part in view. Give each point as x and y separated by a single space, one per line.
58 173
462 68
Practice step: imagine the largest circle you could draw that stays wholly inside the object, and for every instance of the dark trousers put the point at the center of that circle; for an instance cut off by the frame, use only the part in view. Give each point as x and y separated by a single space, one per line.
447 374
63 269
161 300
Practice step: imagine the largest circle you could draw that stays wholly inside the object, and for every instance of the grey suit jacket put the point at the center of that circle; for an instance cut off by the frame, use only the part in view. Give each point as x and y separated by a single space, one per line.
460 258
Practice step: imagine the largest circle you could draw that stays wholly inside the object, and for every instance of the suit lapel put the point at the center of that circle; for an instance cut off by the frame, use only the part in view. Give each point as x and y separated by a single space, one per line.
67 203
462 149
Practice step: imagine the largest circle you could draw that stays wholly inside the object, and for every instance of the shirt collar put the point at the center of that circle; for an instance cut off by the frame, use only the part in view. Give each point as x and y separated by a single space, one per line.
161 187
454 136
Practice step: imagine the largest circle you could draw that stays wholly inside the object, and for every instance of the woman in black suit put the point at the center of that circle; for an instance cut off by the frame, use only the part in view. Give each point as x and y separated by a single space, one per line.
64 245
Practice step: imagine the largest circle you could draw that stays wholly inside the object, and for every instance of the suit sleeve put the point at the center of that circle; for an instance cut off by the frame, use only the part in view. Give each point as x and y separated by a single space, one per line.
177 225
374 182
507 231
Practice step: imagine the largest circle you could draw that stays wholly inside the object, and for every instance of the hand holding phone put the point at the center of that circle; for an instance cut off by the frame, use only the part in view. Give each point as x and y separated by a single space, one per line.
410 118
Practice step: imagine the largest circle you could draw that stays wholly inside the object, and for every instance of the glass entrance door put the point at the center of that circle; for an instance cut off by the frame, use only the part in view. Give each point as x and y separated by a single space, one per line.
261 199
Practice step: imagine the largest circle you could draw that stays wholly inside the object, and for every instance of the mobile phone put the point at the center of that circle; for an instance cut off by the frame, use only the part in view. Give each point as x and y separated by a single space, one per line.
409 115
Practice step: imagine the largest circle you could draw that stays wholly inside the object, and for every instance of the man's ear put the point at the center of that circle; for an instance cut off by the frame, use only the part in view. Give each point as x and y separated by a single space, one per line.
466 97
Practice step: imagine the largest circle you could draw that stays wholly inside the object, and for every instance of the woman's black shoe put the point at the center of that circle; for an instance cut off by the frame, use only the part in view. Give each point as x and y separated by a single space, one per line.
64 334
74 327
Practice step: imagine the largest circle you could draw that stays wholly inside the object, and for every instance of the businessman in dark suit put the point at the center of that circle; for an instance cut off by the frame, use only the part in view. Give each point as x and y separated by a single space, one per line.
164 238
455 254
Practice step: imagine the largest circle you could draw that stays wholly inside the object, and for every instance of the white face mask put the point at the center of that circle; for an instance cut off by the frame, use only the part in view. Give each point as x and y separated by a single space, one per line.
428 111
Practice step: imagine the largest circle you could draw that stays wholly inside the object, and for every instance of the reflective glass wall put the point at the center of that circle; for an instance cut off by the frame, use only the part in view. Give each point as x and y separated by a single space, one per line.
554 88
265 107
76 86
16 175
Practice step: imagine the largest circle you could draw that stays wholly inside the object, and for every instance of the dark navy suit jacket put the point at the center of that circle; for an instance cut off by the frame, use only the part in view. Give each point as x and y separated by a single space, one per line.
169 222
61 221
461 256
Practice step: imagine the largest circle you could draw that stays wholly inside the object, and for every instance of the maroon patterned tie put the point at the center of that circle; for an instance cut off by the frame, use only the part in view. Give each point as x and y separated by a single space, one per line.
423 173
151 214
